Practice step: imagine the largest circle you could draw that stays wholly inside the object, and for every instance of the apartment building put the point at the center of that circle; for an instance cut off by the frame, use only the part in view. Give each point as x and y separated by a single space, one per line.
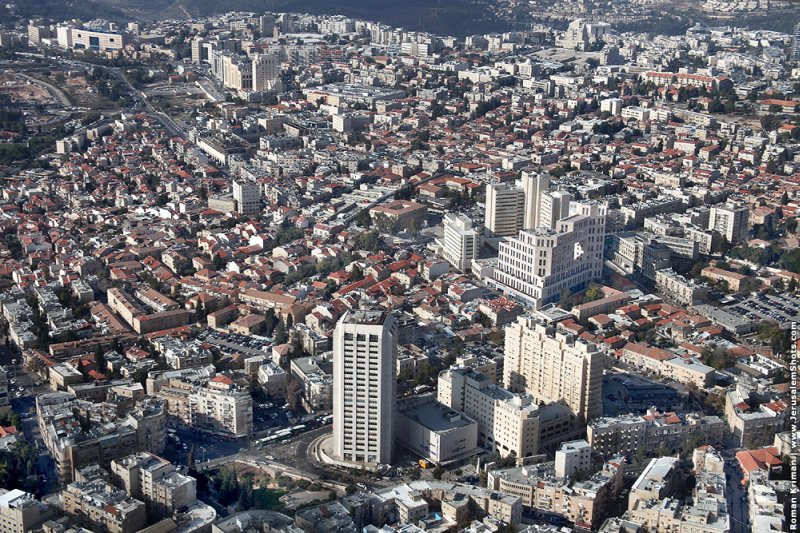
651 507
409 502
626 434
100 506
659 479
461 242
730 221
216 405
733 280
20 512
247 195
553 206
554 366
78 432
138 318
404 213
156 481
752 418
539 264
547 490
315 375
364 384
679 289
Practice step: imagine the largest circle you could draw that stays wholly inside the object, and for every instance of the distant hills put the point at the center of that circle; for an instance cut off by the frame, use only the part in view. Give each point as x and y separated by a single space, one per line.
453 17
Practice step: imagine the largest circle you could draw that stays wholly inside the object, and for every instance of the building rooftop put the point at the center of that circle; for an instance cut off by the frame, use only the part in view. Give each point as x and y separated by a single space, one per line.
437 417
370 317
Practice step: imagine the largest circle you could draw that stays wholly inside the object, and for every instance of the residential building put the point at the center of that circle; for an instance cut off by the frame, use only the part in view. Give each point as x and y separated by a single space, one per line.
553 206
78 432
753 418
364 384
409 503
314 373
573 459
156 481
509 423
730 221
548 493
627 434
247 195
554 366
216 406
659 479
100 506
679 289
404 213
20 512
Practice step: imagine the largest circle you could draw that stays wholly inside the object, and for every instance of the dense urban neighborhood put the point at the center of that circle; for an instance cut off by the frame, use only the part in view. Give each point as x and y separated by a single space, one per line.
283 272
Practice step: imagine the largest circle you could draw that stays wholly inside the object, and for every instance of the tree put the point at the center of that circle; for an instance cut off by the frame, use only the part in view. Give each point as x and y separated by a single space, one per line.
438 472
356 274
294 394
594 293
100 359
279 334
363 219
566 300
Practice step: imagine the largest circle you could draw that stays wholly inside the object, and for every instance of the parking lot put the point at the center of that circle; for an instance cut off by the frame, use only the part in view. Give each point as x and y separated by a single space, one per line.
248 344
780 308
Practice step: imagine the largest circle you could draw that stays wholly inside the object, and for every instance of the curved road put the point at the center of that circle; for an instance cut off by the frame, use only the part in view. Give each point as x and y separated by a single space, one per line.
54 91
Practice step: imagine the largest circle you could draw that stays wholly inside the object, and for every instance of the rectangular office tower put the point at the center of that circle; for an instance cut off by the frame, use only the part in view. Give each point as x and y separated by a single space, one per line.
364 386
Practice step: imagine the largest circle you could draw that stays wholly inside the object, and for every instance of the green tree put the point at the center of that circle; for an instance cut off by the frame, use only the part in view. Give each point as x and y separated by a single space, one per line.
279 335
594 293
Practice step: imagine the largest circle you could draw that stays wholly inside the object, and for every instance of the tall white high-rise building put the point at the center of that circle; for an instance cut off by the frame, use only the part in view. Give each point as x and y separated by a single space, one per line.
534 185
538 264
248 197
730 221
461 241
364 386
505 209
553 206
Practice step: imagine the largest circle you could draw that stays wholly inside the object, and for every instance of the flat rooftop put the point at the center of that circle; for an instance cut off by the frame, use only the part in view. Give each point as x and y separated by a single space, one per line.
371 317
437 417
